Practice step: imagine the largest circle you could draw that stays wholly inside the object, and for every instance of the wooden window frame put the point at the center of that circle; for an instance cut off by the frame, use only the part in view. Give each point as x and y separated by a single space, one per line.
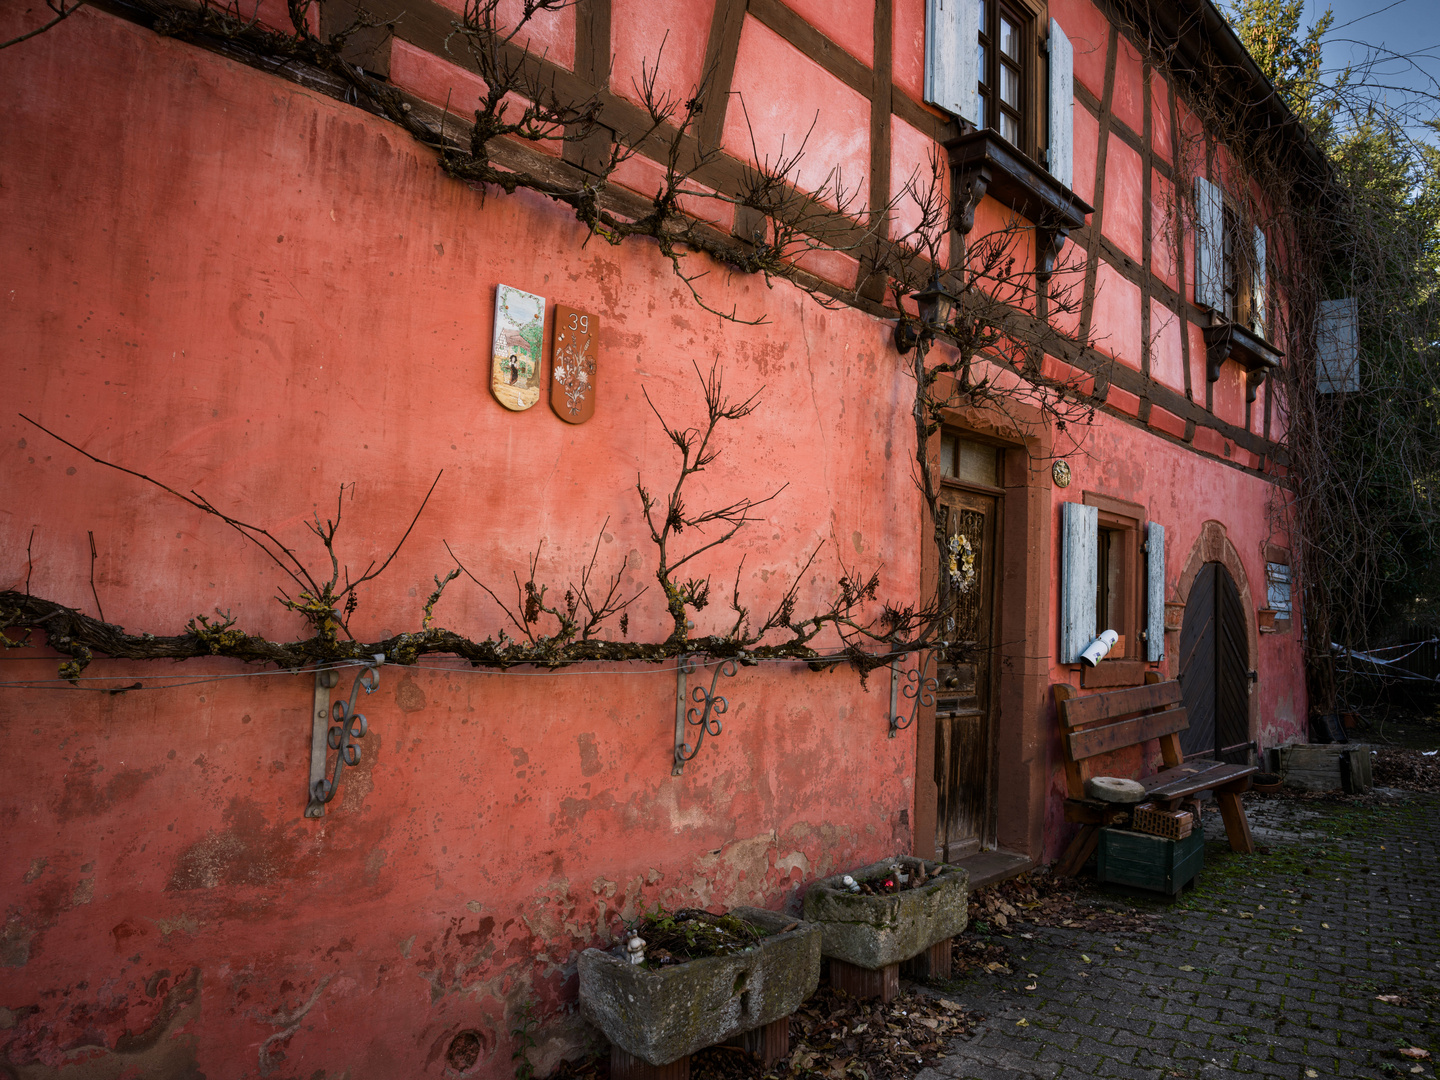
1032 17
1237 270
1126 520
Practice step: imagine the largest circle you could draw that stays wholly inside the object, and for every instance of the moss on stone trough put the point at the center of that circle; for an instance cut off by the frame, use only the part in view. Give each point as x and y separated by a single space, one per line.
663 1014
875 931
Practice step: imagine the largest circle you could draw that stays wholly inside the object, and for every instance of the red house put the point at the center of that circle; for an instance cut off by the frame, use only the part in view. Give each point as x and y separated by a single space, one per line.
258 266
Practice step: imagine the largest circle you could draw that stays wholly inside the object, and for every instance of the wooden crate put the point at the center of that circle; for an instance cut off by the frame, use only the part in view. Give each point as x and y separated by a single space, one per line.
1325 767
1149 862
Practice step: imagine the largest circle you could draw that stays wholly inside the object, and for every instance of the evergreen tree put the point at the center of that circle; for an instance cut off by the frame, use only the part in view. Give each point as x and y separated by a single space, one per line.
1366 462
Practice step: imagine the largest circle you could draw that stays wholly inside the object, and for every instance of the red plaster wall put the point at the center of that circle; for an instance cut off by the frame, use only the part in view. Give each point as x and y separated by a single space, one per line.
1089 34
1160 116
1167 362
1116 329
913 161
1087 138
848 23
1164 218
643 27
1124 215
1129 101
907 42
263 294
809 110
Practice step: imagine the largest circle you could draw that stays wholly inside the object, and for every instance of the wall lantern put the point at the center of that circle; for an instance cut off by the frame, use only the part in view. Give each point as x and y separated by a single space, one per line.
936 304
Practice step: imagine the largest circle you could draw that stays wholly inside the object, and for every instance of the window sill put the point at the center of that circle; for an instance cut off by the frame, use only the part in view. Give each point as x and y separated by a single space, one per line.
982 163
1114 673
1271 622
1230 341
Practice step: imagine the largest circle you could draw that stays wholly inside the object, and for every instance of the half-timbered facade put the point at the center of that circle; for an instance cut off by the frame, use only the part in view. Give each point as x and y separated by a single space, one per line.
229 272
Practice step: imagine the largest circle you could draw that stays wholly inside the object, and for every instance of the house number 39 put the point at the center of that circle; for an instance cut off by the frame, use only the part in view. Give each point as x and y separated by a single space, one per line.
575 368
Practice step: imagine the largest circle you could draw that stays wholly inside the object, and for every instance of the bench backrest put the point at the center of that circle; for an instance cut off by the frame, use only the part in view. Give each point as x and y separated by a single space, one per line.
1099 723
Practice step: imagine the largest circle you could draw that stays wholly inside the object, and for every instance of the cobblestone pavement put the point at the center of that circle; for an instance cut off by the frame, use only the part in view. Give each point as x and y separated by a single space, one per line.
1319 957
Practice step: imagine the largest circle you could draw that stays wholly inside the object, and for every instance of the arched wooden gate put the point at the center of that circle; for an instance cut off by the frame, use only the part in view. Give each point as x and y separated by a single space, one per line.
1214 668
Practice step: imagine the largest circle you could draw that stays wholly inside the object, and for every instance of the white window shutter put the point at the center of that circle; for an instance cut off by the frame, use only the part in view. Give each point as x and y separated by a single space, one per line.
1079 552
1277 588
1258 296
1209 245
1062 106
1337 346
1155 591
952 57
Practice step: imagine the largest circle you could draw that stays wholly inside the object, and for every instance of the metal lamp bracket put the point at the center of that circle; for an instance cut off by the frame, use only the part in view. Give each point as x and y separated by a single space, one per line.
707 719
918 686
343 736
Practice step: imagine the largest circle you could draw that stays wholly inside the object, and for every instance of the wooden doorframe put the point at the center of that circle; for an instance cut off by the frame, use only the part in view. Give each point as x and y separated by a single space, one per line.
1023 714
1213 545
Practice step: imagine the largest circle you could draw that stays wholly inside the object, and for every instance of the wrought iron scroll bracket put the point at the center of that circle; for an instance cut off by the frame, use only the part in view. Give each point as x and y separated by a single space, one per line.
704 714
342 735
914 683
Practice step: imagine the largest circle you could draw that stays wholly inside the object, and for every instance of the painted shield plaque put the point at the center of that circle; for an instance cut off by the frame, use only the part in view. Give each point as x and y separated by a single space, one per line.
572 390
515 356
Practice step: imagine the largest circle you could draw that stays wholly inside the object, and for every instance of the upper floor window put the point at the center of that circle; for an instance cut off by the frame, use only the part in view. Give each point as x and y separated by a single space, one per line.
1230 270
1004 70
998 64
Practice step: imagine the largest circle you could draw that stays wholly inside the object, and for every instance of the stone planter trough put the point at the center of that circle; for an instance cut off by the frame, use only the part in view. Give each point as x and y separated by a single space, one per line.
876 934
659 1017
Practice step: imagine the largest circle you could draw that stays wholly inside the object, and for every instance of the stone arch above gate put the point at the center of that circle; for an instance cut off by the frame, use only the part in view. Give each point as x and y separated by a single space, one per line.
1213 545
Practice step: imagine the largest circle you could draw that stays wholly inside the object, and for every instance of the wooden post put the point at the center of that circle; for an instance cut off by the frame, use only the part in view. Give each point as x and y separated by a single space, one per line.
859 982
933 963
770 1042
626 1066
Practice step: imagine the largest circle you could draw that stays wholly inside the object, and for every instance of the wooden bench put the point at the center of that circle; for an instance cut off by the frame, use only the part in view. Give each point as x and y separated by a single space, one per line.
1097 724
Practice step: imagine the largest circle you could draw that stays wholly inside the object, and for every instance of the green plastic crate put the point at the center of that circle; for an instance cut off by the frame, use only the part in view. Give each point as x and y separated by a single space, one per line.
1149 862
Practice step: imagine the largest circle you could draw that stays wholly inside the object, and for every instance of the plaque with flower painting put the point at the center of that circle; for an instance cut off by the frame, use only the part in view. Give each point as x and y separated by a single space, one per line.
572 389
519 338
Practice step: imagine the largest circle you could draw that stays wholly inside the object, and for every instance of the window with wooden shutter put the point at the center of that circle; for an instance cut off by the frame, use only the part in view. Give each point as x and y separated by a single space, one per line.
1337 347
1277 590
1259 294
952 57
1209 245
1079 535
1061 157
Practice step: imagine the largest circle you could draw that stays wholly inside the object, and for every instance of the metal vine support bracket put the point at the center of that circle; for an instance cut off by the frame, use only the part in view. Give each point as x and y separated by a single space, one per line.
919 687
348 728
687 715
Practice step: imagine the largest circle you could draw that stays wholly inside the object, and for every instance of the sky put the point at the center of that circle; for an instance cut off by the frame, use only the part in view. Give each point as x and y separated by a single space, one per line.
1361 27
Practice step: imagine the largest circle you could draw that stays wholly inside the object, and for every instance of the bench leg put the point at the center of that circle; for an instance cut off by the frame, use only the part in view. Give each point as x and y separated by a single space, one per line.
1236 827
1080 849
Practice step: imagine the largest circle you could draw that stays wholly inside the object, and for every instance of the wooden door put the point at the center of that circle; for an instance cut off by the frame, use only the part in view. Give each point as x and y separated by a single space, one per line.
964 721
1214 666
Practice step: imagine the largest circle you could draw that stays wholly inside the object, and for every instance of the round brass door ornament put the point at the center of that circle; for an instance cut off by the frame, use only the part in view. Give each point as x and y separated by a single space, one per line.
1061 472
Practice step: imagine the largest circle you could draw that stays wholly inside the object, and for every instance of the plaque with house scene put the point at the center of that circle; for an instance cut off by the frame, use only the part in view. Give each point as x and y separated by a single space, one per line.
572 389
519 339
